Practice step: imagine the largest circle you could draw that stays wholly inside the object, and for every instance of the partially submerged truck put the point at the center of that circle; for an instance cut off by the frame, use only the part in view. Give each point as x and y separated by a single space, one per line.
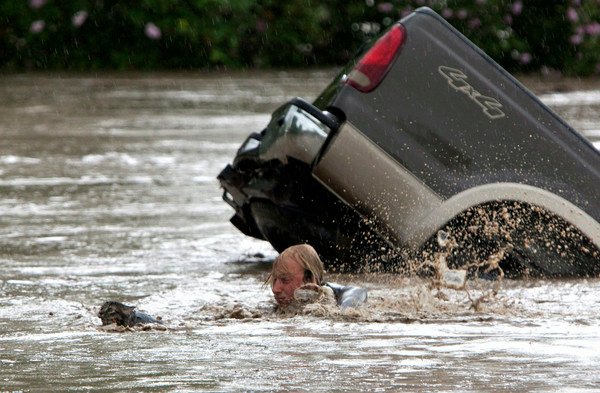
422 145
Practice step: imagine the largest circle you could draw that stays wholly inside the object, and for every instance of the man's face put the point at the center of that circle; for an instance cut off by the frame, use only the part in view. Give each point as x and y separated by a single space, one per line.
288 276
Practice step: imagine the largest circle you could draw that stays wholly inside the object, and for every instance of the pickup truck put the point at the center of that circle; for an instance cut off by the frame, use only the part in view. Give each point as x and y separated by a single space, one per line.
423 147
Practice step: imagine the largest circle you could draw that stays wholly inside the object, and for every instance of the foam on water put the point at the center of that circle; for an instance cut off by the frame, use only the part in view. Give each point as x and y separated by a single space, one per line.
84 180
95 159
13 160
183 125
574 98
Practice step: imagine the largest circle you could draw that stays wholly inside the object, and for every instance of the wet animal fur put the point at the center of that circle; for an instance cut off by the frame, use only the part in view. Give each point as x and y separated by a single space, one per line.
123 315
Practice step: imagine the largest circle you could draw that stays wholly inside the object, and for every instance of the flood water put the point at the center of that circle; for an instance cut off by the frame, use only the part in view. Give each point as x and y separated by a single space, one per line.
108 191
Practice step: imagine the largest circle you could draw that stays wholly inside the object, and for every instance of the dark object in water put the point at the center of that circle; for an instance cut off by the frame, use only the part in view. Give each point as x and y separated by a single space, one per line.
420 132
123 315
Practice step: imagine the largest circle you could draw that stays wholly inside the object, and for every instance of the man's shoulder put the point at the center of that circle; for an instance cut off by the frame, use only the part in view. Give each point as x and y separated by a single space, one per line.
347 295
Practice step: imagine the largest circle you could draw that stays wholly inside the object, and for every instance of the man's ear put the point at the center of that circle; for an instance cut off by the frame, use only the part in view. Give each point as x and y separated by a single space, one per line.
308 277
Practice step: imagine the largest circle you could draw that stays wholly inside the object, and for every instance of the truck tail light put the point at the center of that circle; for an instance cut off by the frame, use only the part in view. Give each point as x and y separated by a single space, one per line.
374 65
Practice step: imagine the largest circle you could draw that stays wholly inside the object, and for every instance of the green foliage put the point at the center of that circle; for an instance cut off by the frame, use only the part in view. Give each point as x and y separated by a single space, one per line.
522 35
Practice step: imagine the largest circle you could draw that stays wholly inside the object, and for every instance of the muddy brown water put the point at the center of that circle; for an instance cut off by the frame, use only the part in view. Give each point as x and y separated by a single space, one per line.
108 191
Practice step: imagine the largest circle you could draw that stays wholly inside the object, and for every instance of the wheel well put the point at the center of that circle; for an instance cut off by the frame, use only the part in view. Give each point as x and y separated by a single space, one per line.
517 237
500 193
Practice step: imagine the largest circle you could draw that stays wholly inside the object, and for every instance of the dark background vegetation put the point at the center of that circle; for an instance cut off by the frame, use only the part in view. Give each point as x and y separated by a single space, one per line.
522 35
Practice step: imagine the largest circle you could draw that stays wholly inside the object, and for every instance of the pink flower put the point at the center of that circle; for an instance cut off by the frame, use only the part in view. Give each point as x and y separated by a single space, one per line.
447 13
508 19
385 7
593 29
572 14
525 58
79 18
474 23
406 11
36 4
517 7
576 39
152 31
462 14
481 2
37 26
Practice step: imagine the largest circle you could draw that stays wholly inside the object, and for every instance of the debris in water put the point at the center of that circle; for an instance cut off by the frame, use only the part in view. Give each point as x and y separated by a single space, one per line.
114 314
442 238
450 278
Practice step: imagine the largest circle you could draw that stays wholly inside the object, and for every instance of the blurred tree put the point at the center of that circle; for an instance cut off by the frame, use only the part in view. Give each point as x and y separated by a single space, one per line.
522 35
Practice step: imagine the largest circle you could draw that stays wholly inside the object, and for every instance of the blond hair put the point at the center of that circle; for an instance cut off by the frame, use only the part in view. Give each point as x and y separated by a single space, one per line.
307 257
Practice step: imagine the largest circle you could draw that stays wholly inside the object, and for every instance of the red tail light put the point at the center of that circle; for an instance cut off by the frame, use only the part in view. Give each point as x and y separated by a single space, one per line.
374 65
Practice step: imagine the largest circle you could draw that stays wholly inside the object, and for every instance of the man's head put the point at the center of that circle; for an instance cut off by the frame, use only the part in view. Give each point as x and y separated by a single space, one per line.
115 312
294 267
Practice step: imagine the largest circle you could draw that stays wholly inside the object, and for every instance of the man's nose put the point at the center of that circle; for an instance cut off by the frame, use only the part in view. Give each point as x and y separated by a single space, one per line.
276 287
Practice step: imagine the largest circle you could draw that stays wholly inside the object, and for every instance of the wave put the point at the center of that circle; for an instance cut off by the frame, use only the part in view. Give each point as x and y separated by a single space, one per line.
12 159
84 180
574 98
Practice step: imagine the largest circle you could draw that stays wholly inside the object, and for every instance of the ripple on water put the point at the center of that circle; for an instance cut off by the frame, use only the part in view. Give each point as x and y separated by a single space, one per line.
14 160
572 98
83 180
